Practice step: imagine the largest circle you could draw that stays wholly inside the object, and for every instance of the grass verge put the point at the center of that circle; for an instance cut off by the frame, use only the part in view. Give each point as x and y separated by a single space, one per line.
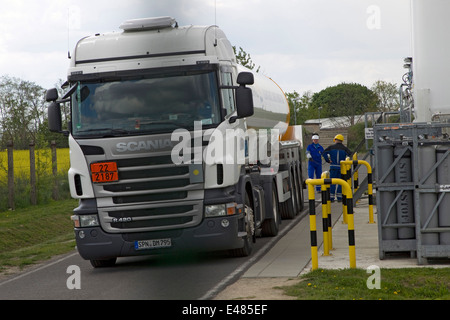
35 233
395 284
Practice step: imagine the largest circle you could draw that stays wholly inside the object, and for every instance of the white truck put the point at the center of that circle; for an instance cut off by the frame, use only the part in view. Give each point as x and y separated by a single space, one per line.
169 148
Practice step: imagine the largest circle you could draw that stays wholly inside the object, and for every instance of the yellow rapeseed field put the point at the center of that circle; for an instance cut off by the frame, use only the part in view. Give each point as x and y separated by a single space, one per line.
43 162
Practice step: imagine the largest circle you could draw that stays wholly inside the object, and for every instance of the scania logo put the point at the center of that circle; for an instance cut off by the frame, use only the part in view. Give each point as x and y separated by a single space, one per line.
148 145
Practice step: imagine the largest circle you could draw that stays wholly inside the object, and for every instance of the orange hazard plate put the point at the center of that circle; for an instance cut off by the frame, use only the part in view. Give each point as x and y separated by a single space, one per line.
104 172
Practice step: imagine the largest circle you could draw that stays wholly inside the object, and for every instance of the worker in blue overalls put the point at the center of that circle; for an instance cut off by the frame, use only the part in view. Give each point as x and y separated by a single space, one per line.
334 154
314 155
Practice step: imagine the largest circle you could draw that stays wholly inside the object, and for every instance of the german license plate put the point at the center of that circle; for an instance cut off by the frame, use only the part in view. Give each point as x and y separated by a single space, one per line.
104 172
152 244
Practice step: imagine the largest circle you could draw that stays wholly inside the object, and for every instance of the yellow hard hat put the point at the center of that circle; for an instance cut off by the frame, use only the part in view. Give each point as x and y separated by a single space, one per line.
339 137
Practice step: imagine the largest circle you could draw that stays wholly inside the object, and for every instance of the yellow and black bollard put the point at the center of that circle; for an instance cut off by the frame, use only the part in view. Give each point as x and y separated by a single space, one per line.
355 174
326 216
312 226
351 225
369 182
347 190
344 173
330 222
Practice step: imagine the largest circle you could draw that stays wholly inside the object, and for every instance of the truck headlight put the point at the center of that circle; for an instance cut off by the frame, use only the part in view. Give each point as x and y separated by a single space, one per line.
215 210
90 220
223 209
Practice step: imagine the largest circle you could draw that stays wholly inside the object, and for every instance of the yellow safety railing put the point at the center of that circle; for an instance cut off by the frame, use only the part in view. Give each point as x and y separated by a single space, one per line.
348 163
344 176
312 218
355 174
326 216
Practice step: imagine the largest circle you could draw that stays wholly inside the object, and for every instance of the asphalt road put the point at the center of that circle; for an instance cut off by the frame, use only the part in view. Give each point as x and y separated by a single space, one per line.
179 277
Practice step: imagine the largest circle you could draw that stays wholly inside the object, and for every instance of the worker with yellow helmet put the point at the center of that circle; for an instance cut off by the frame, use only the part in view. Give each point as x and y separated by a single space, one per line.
334 154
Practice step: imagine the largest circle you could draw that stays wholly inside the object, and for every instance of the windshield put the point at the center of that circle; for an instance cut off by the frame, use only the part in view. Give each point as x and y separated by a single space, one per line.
143 106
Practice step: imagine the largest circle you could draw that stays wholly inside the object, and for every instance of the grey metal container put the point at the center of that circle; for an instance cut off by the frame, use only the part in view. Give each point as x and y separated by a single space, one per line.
387 209
405 198
426 183
419 196
443 179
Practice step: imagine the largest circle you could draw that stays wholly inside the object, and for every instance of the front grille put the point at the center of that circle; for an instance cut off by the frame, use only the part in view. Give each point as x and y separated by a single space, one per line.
150 197
151 218
145 161
148 179
150 211
153 223
148 185
154 173
160 194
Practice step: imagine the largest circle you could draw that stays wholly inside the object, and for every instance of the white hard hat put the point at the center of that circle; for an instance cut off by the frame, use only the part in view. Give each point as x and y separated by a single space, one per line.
314 137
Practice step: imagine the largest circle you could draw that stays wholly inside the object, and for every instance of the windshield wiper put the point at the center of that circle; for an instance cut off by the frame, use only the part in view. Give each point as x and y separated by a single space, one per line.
110 130
143 123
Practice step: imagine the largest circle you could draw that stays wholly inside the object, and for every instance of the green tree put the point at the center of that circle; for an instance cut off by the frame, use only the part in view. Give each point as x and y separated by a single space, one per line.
345 100
243 58
22 111
23 115
388 95
299 106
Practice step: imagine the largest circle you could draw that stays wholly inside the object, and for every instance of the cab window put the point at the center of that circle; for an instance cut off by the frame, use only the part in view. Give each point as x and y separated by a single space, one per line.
228 94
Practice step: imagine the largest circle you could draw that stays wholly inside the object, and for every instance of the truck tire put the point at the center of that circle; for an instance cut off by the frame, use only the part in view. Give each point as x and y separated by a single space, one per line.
270 227
103 263
249 225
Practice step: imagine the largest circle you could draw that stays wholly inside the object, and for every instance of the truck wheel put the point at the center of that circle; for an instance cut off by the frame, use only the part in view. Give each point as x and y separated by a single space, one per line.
103 263
270 227
249 221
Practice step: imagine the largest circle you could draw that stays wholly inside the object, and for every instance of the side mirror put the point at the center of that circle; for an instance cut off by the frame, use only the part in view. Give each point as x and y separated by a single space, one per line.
54 117
244 102
244 97
245 78
51 95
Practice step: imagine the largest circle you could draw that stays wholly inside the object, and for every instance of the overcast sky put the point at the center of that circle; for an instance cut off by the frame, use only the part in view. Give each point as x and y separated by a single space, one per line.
301 44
